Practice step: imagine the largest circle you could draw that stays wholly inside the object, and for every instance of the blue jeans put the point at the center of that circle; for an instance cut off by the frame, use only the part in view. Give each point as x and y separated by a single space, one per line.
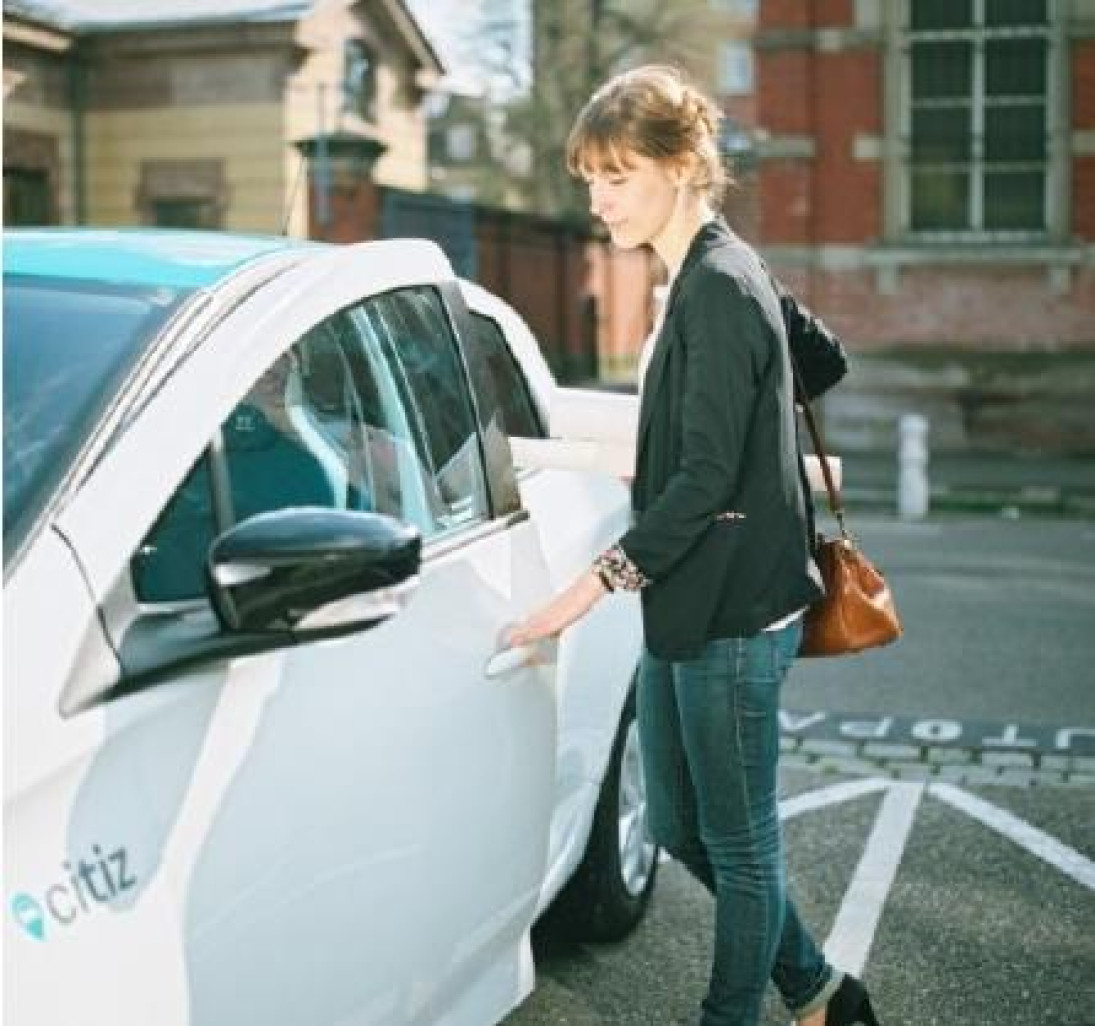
710 741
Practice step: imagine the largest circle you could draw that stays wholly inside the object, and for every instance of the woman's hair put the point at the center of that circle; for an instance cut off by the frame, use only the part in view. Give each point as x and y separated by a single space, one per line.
654 112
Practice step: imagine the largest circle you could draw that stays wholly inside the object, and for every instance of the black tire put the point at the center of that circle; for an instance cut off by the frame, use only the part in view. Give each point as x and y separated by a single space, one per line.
599 903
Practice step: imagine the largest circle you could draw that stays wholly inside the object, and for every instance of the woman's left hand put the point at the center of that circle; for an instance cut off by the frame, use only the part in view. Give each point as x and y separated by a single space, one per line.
566 608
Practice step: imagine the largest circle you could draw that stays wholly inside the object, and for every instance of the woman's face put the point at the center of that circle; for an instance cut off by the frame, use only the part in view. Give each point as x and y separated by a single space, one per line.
635 201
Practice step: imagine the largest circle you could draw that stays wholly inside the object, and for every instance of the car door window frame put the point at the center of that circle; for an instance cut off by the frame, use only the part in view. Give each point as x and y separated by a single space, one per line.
389 335
501 475
222 481
514 373
496 471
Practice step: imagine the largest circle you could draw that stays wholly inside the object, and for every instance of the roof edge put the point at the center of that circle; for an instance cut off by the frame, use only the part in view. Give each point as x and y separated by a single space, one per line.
400 15
37 31
285 11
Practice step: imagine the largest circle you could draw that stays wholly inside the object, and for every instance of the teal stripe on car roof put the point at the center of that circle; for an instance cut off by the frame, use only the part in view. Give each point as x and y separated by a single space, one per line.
176 259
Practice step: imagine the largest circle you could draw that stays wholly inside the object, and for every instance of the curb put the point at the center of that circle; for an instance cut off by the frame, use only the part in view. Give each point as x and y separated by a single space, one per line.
1049 502
932 763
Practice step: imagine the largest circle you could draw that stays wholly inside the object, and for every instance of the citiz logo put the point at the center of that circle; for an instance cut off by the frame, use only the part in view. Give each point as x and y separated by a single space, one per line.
92 882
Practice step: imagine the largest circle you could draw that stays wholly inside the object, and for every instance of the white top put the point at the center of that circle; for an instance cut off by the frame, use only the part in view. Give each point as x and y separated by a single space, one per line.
661 296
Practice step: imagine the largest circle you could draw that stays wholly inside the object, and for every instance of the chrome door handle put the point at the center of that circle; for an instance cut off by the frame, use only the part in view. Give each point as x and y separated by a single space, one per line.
508 660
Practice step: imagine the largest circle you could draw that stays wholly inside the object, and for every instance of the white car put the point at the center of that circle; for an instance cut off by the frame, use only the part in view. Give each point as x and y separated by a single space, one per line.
264 761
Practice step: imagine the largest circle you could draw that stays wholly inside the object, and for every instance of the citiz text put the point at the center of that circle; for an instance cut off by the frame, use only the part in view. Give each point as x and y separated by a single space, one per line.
91 881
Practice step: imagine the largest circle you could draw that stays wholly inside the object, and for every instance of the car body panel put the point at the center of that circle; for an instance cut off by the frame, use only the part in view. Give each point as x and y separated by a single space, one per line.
358 830
106 526
594 677
189 260
567 506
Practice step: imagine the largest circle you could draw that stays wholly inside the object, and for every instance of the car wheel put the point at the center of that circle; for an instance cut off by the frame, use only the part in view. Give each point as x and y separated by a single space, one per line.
609 892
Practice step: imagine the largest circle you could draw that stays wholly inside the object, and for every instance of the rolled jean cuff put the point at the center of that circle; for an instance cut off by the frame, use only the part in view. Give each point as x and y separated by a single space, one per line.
822 997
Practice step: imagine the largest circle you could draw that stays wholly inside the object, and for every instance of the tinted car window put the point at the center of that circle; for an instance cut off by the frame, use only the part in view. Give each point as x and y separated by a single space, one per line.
170 564
326 426
68 346
402 483
413 325
276 457
519 415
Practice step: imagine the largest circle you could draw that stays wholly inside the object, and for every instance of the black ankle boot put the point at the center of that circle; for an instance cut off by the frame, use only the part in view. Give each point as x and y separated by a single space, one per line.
850 1004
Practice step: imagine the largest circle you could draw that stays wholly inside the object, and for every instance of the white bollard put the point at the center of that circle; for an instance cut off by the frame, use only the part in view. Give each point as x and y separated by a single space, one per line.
912 467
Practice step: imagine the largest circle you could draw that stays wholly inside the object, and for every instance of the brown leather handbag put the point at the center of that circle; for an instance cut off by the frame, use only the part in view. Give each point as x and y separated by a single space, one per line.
857 611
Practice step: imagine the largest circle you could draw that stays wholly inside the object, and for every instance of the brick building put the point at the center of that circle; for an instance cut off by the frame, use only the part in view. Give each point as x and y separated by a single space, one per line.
926 181
201 114
922 173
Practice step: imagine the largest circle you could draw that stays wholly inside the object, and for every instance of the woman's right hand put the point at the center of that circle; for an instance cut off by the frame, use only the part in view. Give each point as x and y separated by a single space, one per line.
566 608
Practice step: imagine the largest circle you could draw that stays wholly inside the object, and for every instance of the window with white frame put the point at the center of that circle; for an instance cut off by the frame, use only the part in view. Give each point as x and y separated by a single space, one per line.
735 68
977 130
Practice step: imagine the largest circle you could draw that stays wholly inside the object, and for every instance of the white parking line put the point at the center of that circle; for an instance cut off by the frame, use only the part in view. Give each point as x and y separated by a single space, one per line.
813 800
1060 856
849 942
853 931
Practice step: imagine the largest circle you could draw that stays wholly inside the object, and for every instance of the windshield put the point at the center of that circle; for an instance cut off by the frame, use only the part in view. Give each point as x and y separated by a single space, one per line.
68 345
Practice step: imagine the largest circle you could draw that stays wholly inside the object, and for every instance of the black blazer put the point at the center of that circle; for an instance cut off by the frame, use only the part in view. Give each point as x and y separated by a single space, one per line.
817 354
721 523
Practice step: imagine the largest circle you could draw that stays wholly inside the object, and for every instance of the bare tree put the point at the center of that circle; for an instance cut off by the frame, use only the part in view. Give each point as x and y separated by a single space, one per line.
577 44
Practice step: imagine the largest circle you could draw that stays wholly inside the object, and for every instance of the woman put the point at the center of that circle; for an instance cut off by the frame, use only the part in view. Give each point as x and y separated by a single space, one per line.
719 544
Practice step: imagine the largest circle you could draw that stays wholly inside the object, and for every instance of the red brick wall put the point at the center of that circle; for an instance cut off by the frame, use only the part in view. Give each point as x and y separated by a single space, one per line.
835 199
998 308
800 14
1083 197
828 98
784 85
353 213
741 205
1083 84
622 282
1083 119
784 192
785 14
833 13
847 192
743 109
901 319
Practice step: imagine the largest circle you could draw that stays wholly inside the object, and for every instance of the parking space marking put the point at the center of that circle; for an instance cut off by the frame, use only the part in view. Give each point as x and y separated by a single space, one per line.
1049 849
853 931
849 941
813 800
850 732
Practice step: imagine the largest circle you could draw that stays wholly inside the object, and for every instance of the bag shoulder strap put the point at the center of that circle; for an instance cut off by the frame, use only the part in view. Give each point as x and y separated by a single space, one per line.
836 503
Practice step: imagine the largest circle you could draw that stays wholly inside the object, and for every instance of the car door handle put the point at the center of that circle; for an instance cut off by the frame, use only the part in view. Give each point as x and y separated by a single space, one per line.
508 660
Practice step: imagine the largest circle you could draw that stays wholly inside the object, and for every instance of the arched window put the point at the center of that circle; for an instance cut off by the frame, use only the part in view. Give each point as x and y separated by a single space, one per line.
359 79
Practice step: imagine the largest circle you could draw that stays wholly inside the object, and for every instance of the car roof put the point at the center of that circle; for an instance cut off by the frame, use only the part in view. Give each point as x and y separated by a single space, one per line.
152 257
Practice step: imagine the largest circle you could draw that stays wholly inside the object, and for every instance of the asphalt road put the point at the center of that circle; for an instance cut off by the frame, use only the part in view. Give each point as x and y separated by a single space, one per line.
999 618
962 902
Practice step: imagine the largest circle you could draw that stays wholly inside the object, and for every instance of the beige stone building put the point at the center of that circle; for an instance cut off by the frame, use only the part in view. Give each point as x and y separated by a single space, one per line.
208 113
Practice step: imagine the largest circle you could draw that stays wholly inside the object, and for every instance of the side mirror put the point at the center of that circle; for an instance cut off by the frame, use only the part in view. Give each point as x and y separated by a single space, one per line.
314 572
275 580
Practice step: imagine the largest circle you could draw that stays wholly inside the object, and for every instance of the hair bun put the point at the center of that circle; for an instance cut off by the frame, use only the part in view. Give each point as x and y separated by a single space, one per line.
655 112
699 110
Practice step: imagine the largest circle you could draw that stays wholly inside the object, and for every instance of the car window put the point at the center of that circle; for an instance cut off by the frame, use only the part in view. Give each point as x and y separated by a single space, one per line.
519 415
415 331
323 426
68 347
402 484
169 566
